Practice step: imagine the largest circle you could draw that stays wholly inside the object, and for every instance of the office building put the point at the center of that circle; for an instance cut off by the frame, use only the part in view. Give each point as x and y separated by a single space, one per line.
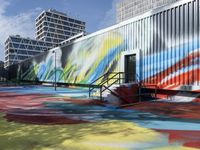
19 48
127 9
54 27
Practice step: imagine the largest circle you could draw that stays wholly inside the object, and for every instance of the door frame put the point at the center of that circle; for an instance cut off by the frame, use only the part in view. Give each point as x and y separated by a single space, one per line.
129 78
136 52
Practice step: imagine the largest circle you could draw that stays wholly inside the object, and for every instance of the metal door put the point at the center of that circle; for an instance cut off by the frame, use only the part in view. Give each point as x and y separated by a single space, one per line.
130 68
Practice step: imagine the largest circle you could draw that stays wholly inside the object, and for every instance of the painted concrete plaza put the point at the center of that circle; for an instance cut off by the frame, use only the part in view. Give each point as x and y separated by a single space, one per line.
37 117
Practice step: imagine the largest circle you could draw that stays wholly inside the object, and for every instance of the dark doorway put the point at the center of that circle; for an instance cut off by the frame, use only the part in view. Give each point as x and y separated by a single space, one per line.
130 68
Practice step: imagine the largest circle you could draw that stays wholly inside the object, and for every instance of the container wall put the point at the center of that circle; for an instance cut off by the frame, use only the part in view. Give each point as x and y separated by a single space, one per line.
80 63
168 41
171 59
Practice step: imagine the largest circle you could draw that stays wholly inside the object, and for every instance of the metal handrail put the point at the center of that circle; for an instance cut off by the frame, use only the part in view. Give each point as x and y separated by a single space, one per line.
116 76
111 78
95 86
113 83
98 78
101 85
103 76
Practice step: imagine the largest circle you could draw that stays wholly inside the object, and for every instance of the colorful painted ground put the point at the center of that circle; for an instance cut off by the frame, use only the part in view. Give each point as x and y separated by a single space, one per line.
39 118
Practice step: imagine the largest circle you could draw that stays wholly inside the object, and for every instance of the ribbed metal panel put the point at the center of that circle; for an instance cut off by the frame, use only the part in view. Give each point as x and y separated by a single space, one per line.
168 42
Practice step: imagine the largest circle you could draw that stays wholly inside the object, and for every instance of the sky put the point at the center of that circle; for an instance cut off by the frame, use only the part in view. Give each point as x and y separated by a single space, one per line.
18 16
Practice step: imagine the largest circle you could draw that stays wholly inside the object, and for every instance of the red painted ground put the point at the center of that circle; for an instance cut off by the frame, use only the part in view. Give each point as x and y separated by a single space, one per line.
42 120
178 110
12 101
188 138
29 108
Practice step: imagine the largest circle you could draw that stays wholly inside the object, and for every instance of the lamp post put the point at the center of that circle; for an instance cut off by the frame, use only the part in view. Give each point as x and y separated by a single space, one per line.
55 69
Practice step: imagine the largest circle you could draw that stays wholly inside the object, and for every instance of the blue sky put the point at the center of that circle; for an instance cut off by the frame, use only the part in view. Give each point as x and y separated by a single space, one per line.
17 16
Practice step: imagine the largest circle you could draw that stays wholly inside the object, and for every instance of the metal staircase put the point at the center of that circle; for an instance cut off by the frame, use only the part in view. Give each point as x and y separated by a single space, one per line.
104 83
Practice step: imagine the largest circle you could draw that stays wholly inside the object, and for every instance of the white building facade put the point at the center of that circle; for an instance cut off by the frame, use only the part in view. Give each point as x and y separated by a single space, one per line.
19 48
127 9
54 27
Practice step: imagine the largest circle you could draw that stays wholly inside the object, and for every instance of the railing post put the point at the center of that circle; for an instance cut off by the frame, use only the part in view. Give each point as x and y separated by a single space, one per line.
107 78
89 90
139 92
119 78
101 93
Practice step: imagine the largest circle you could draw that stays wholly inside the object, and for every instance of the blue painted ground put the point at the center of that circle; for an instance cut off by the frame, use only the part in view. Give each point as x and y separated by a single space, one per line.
144 119
96 113
71 92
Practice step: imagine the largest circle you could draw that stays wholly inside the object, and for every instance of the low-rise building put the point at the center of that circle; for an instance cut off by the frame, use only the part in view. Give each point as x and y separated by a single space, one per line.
18 48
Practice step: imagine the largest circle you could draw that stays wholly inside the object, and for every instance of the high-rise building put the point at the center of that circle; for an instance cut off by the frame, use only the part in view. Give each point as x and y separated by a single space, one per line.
127 9
54 27
18 48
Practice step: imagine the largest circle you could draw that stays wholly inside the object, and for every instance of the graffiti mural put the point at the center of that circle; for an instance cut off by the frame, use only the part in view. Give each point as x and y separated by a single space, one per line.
170 50
79 63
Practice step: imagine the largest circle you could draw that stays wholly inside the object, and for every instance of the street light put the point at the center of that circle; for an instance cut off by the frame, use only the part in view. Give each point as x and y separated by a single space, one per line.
54 69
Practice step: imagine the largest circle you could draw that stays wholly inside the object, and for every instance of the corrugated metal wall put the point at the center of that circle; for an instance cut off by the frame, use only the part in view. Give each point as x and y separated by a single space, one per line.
169 42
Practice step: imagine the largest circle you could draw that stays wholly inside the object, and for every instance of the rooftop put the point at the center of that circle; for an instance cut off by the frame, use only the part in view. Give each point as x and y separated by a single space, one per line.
55 11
